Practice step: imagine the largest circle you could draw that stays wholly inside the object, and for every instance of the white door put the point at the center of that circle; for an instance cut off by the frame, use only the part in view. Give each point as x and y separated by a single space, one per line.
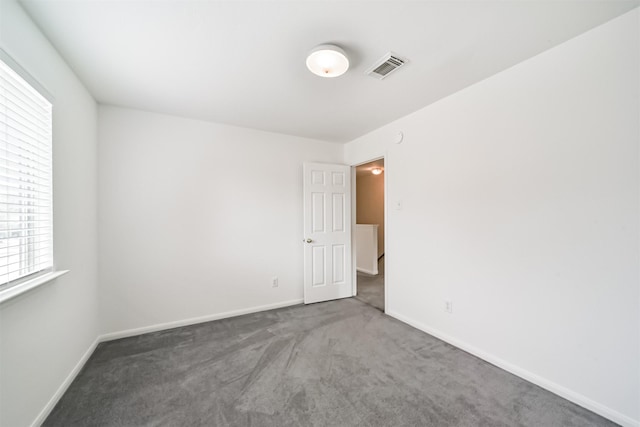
327 232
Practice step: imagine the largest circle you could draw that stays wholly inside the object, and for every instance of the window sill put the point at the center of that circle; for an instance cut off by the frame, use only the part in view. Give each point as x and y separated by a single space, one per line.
20 289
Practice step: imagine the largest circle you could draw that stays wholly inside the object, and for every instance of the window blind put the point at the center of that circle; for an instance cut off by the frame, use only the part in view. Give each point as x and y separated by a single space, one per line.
26 223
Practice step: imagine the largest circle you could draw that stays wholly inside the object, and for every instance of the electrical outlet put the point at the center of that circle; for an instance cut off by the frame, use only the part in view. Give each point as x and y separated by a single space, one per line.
274 282
448 306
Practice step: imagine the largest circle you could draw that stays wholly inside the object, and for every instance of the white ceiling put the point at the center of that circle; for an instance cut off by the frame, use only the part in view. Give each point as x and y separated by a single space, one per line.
243 63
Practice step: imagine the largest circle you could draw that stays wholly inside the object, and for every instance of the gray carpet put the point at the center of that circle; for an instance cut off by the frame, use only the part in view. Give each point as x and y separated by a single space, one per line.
339 363
371 288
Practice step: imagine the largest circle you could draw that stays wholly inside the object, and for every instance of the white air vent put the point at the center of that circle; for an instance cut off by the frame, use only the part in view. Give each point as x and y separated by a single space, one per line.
386 65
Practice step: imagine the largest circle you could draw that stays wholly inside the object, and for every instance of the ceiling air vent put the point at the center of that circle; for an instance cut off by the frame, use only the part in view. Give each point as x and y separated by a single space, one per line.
386 65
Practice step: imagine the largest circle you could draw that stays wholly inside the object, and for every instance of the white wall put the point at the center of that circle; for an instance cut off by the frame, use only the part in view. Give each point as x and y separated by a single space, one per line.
520 204
45 332
196 217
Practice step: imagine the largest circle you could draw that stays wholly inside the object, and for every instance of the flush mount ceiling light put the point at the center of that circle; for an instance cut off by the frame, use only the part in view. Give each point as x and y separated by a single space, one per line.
327 60
376 171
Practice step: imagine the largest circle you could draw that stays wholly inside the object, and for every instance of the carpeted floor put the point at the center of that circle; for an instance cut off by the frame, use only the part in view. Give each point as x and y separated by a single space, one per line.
339 363
371 288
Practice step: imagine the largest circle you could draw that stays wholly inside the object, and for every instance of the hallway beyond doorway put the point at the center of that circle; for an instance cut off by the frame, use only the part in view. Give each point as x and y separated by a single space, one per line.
371 288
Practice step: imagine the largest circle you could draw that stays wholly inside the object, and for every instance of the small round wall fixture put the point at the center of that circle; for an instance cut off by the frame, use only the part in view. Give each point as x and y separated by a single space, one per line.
376 171
327 60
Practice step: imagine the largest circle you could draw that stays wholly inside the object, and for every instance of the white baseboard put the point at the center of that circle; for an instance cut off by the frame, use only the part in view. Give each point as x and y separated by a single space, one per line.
561 391
194 320
65 385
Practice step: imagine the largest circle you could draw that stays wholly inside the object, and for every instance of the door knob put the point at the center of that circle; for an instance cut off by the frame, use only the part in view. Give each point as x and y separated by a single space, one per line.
308 240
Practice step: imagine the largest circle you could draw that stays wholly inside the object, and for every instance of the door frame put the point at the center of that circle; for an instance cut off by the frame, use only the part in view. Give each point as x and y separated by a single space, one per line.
354 273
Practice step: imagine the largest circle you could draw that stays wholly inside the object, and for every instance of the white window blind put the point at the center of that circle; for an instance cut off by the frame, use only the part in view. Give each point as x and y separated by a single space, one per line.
26 223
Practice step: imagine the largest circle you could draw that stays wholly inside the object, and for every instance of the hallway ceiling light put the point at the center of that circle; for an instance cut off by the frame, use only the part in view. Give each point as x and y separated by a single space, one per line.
327 61
376 171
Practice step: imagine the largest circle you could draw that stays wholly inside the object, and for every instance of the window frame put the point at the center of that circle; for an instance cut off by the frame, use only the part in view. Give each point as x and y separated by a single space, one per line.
34 279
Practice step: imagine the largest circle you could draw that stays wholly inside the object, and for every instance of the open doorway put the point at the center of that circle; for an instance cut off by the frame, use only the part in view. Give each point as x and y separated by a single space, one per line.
369 233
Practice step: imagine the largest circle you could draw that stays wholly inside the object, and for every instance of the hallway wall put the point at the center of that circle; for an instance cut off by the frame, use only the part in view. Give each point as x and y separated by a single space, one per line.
370 203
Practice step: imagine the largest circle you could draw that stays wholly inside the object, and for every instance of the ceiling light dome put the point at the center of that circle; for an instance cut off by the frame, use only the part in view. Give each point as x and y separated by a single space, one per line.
327 60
